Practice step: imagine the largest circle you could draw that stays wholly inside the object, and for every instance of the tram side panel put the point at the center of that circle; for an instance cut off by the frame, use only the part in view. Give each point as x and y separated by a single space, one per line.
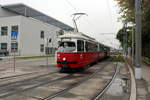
76 60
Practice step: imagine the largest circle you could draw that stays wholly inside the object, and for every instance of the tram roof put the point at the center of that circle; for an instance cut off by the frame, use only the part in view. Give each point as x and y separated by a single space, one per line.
78 35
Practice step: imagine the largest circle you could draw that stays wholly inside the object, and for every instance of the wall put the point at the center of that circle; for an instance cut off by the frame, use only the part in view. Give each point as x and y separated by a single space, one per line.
9 21
30 39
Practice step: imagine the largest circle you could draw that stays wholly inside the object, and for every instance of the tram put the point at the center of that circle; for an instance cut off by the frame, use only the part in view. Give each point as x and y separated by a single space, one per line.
77 50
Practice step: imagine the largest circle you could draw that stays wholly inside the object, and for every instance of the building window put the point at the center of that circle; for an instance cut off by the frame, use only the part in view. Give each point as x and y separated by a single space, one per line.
42 47
14 47
42 34
14 32
3 46
14 28
4 30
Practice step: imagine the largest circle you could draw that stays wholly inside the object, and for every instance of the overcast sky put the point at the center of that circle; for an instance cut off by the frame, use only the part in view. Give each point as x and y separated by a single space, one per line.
102 15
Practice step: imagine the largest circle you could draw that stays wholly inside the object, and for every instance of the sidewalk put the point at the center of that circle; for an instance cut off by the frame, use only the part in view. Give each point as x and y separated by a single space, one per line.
143 85
6 58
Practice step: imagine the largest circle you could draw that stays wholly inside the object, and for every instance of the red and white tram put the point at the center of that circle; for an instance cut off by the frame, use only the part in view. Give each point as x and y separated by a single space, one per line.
77 50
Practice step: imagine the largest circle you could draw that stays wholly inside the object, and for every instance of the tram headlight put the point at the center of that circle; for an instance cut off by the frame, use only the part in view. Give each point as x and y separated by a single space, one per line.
64 59
58 56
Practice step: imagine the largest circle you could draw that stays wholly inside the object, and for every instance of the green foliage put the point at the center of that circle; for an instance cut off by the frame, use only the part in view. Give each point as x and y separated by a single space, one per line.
121 34
117 58
127 12
146 60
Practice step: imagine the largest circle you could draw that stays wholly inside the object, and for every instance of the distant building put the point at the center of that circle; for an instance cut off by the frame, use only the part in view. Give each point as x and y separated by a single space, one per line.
25 31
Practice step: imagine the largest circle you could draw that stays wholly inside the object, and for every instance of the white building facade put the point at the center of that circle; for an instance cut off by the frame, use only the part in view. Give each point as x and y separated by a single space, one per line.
26 35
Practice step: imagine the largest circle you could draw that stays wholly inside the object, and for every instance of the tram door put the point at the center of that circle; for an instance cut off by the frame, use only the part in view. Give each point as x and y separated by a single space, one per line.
80 50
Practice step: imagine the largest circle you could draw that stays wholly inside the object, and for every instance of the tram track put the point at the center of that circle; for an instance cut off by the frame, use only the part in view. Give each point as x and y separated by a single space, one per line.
12 90
25 80
102 92
15 76
10 86
2 79
62 92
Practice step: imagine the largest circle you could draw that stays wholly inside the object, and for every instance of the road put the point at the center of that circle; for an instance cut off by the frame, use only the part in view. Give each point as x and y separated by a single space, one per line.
45 82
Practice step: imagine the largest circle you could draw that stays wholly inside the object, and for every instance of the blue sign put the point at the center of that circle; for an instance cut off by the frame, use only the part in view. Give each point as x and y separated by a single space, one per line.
14 35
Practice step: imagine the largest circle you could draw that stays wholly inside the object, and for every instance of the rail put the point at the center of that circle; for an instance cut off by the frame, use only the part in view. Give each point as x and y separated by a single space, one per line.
71 87
101 93
34 86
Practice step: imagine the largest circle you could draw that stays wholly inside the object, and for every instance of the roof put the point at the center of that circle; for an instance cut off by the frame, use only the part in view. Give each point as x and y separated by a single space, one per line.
77 35
24 10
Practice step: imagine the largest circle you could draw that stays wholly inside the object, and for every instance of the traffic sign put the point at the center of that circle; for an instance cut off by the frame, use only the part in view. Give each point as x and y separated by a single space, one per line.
14 35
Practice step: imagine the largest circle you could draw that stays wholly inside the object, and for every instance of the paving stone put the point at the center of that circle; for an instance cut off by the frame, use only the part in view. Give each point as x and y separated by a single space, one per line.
141 91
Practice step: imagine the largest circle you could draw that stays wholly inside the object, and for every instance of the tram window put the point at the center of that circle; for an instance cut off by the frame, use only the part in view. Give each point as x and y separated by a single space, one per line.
96 47
66 46
102 47
69 44
80 46
91 47
88 46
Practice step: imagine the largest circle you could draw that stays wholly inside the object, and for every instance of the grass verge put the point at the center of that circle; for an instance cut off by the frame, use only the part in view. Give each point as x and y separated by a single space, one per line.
34 57
117 58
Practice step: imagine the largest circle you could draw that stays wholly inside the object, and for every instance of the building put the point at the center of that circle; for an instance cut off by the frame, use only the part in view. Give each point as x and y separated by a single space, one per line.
27 32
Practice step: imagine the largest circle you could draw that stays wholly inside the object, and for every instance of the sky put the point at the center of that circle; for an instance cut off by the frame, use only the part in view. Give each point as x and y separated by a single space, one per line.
101 22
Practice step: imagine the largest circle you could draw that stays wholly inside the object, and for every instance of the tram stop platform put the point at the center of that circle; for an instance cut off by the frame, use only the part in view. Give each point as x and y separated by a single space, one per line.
143 85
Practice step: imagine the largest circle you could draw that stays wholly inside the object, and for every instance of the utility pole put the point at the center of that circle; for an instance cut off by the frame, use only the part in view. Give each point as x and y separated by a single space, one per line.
125 39
138 71
133 46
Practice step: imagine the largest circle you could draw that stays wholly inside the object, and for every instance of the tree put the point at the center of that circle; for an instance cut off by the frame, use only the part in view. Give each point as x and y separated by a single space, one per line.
127 12
121 34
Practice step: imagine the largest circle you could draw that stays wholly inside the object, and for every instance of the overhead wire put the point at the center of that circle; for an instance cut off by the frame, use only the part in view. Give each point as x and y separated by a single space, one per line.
88 22
111 23
72 5
110 14
76 10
